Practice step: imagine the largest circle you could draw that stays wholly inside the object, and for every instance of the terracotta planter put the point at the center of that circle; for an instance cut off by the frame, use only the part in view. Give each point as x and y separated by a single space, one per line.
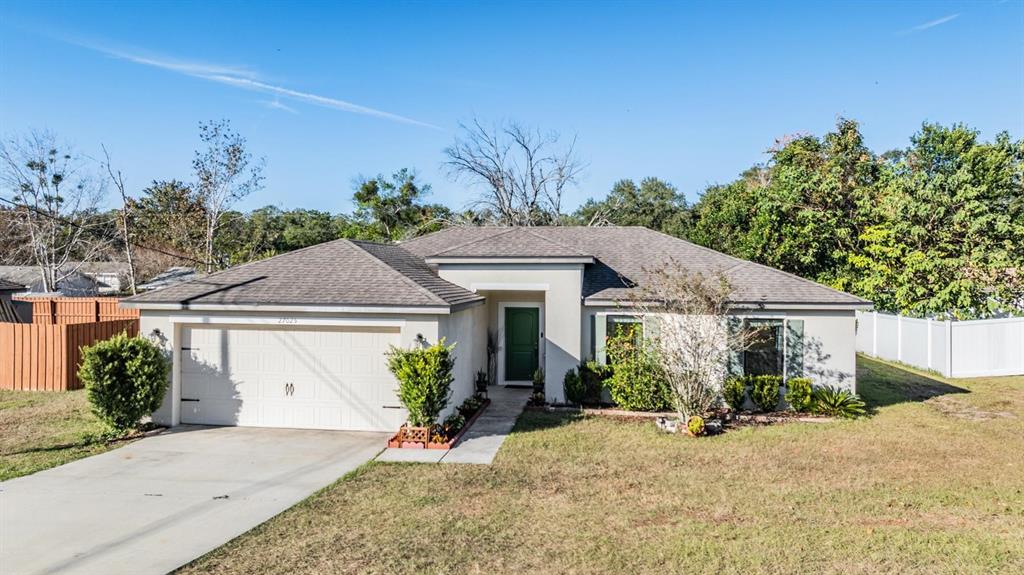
409 437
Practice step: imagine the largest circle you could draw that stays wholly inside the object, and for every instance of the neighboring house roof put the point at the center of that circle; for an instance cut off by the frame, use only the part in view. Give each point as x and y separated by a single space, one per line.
79 283
7 286
337 273
623 254
169 277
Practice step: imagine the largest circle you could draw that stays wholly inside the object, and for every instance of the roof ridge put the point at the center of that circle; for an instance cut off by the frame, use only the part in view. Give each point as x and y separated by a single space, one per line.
471 242
742 262
405 278
551 241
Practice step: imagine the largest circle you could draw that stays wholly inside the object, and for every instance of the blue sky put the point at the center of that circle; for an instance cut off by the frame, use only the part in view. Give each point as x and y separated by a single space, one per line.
692 93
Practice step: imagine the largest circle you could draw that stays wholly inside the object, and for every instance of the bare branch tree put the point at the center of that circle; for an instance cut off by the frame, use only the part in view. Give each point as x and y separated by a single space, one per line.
523 177
695 338
55 203
126 217
225 173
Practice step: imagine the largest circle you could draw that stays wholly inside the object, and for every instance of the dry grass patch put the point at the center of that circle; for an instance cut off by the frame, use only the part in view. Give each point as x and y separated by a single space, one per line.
43 429
908 490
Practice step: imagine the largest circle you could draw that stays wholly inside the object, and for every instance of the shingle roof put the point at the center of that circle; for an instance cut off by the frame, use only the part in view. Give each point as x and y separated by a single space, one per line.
341 272
624 253
511 242
10 286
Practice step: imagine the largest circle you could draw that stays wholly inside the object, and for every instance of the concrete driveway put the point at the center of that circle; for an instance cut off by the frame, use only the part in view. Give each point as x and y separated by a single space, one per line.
158 503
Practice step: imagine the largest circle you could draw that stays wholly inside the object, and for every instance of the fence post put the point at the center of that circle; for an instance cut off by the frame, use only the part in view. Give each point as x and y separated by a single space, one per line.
949 349
874 334
928 326
899 337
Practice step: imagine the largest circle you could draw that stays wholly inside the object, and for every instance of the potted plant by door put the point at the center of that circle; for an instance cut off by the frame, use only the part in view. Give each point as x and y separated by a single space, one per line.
482 381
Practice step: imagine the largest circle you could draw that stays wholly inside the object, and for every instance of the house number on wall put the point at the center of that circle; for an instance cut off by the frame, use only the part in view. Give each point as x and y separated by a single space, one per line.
287 320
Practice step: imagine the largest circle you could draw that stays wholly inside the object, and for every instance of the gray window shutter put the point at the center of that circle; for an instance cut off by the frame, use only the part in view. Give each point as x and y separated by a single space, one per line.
794 348
735 367
652 327
600 335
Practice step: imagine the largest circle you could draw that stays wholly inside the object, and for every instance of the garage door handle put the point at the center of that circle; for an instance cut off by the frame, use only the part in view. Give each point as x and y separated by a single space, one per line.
392 407
188 399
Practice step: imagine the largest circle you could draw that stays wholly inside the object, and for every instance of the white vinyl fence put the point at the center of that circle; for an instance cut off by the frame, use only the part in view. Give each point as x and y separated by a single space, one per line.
953 348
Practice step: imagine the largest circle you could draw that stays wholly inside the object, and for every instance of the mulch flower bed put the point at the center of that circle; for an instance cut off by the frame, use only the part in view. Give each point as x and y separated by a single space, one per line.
425 437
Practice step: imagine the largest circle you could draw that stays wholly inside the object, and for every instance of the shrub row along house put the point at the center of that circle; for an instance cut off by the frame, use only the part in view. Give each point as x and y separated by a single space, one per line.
299 340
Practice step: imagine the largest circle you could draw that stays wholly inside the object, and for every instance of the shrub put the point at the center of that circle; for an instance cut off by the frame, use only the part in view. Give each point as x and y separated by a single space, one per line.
594 376
424 380
537 399
734 391
764 391
836 402
470 406
637 382
538 381
799 393
125 379
573 388
695 425
453 424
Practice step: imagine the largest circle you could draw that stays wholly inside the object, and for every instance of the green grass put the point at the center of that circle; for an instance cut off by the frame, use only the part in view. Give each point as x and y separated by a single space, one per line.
930 483
43 429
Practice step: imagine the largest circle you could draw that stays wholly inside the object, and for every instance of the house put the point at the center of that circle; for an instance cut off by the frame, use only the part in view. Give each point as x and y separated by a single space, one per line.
168 277
81 279
8 313
298 340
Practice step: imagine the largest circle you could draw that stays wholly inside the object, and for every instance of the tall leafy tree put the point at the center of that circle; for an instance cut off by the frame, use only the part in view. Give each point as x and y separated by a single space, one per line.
654 204
392 208
948 233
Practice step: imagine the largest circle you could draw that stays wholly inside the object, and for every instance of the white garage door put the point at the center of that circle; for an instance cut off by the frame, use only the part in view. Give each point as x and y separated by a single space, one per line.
289 377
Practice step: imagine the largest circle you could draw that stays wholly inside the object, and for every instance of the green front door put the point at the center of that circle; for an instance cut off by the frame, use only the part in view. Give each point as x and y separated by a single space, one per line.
522 336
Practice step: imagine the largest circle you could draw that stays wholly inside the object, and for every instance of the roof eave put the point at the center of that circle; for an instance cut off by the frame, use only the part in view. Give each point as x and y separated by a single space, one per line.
299 308
838 306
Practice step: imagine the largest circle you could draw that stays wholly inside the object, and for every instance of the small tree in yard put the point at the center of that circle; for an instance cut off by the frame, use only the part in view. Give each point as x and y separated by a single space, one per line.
424 380
125 379
693 338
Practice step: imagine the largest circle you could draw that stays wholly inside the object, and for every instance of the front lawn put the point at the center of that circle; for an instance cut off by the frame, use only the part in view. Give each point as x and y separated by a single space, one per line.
933 482
43 429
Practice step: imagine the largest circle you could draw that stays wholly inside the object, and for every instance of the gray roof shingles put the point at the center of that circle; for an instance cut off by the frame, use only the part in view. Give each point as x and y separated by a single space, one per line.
358 273
624 253
340 272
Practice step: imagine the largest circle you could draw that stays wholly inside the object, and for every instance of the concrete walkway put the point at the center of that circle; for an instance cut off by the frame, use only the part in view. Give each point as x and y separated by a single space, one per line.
156 504
482 441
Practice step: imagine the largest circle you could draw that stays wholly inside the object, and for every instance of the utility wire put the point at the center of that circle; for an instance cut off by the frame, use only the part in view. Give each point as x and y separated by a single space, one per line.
68 222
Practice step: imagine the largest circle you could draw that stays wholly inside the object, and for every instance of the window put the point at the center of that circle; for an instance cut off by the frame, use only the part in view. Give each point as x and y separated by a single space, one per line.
602 328
765 354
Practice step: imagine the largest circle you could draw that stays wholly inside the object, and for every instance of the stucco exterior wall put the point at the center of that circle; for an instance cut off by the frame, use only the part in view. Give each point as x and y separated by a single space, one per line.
462 328
157 325
562 289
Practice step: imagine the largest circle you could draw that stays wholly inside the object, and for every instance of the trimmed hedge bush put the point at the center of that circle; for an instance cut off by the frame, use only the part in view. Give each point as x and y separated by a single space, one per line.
594 376
764 391
799 394
125 379
573 388
424 380
734 391
637 382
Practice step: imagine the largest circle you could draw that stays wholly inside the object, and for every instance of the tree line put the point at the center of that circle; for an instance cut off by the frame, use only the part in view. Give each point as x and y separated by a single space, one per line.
936 227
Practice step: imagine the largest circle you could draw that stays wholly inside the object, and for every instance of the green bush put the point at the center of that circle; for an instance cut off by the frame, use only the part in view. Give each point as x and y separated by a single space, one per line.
470 406
637 382
538 381
764 391
799 394
835 402
424 380
453 424
594 376
734 391
695 425
125 379
573 388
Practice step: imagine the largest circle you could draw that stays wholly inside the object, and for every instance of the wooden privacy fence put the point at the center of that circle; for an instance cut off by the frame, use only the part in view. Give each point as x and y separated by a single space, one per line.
41 357
68 310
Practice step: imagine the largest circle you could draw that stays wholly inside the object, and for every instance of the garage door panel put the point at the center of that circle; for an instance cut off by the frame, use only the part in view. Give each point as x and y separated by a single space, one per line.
338 377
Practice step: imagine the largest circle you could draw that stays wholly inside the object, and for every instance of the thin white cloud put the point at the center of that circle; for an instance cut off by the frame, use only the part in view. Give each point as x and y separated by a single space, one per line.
277 105
936 22
247 79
